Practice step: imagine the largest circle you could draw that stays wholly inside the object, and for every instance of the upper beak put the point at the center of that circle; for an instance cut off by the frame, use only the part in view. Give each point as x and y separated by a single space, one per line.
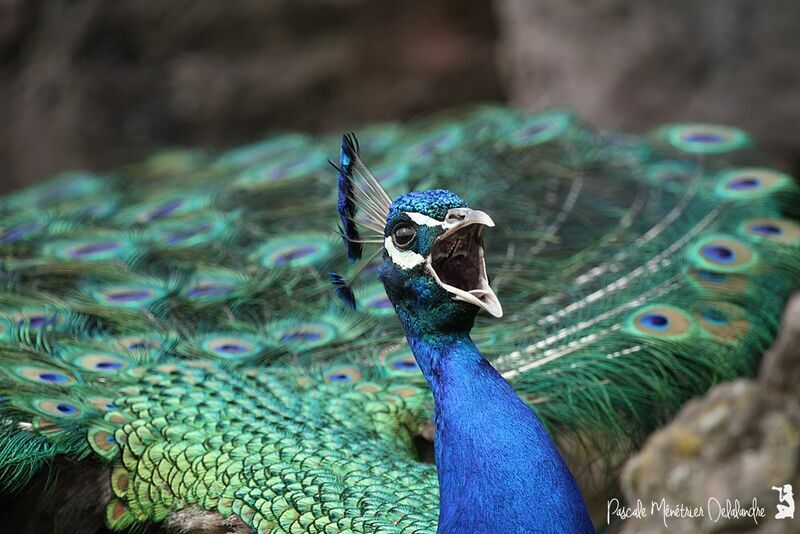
457 260
458 218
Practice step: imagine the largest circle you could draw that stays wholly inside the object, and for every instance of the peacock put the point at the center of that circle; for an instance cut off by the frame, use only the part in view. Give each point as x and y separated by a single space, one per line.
186 345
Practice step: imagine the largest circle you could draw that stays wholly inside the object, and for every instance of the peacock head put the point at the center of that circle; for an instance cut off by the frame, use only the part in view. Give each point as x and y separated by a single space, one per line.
434 270
433 266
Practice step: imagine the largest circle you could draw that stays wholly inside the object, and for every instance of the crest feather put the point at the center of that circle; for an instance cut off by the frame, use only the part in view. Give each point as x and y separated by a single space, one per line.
343 290
362 201
362 204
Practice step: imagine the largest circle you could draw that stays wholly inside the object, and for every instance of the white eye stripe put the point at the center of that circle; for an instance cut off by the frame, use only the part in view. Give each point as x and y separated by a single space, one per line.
405 259
422 219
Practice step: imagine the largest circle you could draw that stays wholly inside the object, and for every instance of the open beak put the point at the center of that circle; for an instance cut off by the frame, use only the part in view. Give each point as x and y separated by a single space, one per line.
456 261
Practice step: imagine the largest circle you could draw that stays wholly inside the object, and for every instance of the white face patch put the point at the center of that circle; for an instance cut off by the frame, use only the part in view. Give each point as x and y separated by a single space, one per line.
405 259
422 219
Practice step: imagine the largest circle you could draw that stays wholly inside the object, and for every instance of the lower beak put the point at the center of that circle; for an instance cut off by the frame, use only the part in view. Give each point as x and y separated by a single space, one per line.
457 260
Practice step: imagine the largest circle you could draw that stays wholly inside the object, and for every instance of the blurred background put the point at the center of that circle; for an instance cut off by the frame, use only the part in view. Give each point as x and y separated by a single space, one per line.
94 84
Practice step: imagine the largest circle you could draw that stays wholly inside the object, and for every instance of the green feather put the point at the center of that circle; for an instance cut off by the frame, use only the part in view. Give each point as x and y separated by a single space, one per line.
174 318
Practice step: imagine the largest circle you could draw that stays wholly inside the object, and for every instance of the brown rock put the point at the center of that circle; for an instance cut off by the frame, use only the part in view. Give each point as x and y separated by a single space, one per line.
737 442
633 64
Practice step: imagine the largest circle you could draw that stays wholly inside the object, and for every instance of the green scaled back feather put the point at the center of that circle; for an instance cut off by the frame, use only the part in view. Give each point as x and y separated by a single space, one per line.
173 319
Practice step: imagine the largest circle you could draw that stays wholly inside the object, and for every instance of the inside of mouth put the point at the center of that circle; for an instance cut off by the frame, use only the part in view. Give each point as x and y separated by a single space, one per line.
456 258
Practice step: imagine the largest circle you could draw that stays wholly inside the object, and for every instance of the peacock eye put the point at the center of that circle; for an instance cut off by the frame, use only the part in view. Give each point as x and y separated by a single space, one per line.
403 235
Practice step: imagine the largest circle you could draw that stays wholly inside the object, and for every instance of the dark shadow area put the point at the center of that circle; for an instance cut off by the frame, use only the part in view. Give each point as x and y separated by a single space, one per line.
95 84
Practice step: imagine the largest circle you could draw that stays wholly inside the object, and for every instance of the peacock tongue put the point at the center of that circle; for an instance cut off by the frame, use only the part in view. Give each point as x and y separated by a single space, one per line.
457 264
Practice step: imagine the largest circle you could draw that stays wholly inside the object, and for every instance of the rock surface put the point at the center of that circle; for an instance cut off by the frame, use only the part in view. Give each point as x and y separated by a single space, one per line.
737 442
98 84
633 64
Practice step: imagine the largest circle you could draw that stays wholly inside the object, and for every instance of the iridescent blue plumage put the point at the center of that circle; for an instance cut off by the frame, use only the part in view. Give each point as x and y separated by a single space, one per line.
498 469
433 203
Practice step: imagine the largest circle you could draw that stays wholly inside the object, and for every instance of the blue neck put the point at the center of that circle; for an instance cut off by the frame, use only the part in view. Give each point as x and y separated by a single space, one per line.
498 469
